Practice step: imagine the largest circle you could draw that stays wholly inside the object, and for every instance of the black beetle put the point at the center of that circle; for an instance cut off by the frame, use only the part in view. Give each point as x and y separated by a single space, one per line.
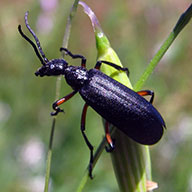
117 104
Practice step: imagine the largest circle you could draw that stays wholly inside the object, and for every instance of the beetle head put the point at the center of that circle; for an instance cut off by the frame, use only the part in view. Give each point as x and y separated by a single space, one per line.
52 68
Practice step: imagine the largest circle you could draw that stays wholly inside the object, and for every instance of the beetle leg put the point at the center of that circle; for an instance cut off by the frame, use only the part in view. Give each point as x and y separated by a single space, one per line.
83 59
83 117
108 137
147 92
60 101
98 65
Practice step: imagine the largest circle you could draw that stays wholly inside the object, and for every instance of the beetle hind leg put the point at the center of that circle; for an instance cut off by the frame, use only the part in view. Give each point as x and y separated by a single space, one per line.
83 117
110 141
147 92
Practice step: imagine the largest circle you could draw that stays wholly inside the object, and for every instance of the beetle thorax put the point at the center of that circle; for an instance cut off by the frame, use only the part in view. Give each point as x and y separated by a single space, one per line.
76 76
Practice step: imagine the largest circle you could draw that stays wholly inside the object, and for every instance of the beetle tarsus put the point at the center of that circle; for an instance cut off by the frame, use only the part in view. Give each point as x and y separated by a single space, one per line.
90 170
91 162
110 148
57 110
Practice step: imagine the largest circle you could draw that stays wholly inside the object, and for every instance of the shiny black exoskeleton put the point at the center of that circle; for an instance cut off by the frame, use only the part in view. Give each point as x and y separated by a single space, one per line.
116 103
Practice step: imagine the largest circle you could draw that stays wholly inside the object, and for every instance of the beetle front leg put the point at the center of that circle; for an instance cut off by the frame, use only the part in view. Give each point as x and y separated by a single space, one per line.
98 65
83 59
147 92
83 118
59 102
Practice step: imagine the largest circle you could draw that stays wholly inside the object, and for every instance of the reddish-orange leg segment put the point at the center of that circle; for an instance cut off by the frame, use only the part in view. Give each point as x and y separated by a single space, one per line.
147 92
108 137
83 118
60 101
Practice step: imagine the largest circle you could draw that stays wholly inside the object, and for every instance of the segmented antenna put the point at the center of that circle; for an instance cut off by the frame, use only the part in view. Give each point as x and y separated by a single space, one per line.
33 44
35 37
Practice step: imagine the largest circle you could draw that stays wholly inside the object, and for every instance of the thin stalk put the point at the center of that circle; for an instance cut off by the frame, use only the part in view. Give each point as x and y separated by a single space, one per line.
58 87
181 23
69 24
49 156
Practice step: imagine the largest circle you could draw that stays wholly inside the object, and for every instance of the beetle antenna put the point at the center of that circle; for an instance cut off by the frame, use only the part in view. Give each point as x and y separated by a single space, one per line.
35 37
33 44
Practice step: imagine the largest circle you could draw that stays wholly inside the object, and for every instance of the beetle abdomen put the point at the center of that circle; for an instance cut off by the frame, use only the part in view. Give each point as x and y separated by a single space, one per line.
122 107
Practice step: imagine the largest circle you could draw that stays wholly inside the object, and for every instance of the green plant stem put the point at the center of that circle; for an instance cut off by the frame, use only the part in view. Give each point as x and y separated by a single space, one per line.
69 23
153 63
58 87
49 157
181 23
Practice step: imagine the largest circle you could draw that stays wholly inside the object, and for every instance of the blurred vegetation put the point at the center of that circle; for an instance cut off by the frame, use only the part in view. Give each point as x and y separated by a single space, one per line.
136 30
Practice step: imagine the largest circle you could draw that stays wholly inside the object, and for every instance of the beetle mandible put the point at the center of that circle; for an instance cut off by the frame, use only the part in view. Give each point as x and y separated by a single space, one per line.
117 104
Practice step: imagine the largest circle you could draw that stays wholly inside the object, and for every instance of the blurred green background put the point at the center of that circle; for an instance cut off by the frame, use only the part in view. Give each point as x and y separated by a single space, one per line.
135 29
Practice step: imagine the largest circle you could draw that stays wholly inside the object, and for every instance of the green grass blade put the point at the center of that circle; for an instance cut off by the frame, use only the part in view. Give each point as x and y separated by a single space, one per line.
182 22
49 157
